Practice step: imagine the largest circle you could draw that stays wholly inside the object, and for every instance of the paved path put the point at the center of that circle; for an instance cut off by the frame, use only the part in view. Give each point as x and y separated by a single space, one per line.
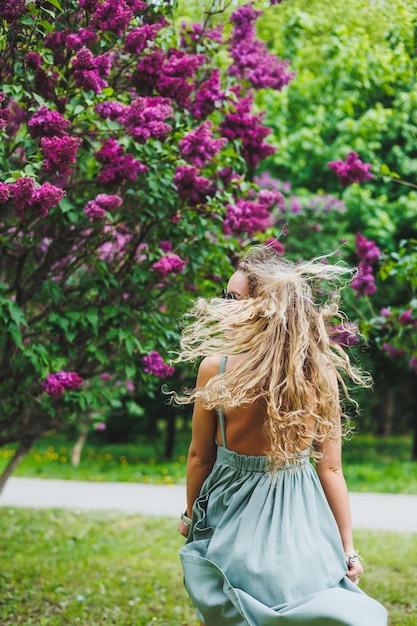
374 511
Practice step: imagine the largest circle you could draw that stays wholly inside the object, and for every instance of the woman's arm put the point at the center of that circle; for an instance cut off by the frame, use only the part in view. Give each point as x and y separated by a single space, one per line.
202 450
330 473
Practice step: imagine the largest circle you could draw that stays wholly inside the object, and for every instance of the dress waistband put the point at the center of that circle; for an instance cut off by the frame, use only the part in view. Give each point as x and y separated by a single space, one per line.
255 463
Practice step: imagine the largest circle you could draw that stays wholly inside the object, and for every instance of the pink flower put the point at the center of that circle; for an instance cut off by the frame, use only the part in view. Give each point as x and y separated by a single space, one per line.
251 59
364 281
269 197
366 249
47 123
105 376
275 245
352 170
4 192
169 264
413 363
130 386
246 216
12 10
96 209
346 335
89 71
193 188
145 118
100 426
137 39
406 317
153 363
113 15
208 96
33 60
56 384
118 166
198 147
22 191
393 351
59 153
241 124
165 246
45 198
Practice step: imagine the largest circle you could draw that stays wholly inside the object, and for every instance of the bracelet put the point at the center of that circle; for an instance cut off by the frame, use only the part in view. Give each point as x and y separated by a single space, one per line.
352 557
184 517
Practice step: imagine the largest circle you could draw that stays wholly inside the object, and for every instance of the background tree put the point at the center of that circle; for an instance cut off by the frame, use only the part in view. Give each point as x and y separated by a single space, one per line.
125 147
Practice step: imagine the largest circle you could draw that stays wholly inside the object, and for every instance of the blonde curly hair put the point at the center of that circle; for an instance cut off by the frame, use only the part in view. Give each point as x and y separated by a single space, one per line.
282 327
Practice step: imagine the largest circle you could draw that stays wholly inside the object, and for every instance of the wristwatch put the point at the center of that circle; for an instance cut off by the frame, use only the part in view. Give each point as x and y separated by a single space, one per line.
184 517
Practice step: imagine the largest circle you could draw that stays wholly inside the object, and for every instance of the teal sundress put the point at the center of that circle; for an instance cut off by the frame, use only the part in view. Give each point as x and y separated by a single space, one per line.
265 550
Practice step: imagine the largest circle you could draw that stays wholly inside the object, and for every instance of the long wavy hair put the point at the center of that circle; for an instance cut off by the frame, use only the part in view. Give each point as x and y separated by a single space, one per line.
283 330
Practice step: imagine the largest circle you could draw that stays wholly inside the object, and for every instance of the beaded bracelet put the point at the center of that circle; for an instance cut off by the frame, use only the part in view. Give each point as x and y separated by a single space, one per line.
352 557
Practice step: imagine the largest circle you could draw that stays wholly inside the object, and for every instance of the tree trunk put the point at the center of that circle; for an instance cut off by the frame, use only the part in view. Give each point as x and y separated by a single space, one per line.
19 455
78 448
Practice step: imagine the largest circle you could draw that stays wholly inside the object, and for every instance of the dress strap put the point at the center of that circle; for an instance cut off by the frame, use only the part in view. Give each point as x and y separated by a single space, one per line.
220 410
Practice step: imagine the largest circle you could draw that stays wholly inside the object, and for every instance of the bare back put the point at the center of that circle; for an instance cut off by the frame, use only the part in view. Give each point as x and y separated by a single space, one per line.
245 424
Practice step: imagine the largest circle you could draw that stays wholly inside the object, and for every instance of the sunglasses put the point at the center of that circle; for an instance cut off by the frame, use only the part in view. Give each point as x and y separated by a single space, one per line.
227 295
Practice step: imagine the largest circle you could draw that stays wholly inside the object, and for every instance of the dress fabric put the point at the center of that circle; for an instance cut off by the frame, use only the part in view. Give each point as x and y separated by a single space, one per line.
264 550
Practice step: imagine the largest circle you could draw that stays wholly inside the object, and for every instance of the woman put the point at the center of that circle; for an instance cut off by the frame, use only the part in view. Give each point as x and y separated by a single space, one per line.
269 538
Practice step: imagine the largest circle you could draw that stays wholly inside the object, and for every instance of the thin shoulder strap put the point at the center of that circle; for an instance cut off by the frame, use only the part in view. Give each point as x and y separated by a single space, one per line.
220 410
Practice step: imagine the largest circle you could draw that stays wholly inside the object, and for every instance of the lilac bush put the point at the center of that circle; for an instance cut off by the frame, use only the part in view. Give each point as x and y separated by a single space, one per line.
127 154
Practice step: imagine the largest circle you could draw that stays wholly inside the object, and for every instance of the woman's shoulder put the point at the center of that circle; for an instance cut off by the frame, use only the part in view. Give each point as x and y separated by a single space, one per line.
210 365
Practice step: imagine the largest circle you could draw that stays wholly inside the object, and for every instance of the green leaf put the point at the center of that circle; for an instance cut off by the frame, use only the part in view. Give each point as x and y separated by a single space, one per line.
47 25
56 4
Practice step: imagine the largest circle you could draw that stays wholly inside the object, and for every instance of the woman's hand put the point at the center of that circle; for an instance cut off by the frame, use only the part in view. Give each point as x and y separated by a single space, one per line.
355 569
183 528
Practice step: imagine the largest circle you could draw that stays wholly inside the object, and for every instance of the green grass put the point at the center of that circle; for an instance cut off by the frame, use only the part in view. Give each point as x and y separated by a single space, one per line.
65 569
50 458
370 463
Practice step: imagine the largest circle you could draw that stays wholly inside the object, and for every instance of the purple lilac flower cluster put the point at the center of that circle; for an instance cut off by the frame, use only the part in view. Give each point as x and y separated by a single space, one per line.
63 41
191 187
26 197
12 10
241 124
114 247
345 335
364 282
145 118
169 264
96 209
56 384
208 96
47 123
118 167
198 147
169 74
89 71
392 317
392 351
251 59
153 363
137 39
351 170
276 245
59 153
246 216
115 15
